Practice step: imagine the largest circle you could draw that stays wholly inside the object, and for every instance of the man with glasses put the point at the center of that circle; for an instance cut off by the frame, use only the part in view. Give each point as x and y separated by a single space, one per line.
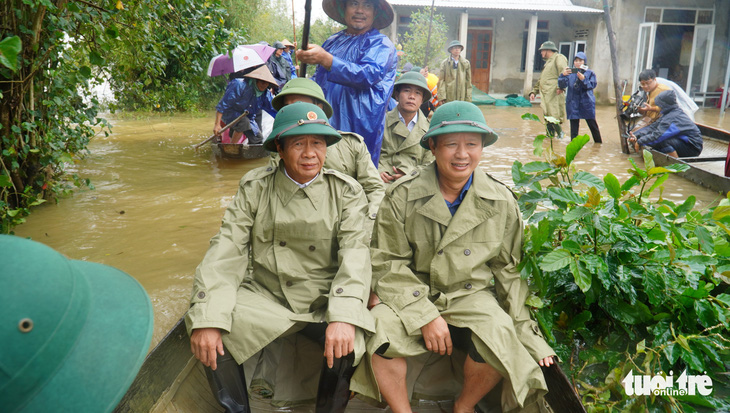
357 68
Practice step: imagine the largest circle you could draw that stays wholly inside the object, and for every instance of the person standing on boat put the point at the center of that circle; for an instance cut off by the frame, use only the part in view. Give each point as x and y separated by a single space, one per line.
674 133
402 152
455 75
350 156
278 65
445 253
290 256
579 100
245 92
552 97
357 68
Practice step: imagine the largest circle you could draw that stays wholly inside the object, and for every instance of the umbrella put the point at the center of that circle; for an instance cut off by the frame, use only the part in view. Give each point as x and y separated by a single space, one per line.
240 58
264 51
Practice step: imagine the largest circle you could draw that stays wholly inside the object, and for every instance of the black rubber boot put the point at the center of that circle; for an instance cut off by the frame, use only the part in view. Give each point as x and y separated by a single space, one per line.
334 385
228 384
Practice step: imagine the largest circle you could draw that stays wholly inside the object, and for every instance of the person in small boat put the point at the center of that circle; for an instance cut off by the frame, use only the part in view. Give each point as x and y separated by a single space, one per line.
443 235
649 84
350 155
357 68
246 91
402 152
74 333
300 230
673 133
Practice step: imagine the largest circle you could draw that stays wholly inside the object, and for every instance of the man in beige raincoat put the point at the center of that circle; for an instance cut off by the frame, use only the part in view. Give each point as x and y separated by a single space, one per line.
402 152
552 97
443 235
350 155
301 229
454 76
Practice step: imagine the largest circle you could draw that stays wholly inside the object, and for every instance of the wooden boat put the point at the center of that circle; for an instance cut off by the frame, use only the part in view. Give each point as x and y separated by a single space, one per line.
710 168
172 380
237 150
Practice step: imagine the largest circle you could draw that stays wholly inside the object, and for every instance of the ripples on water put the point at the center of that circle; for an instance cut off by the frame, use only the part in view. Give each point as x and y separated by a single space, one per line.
157 202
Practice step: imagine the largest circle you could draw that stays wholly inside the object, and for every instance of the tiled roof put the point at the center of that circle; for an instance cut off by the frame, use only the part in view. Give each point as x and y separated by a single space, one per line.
526 5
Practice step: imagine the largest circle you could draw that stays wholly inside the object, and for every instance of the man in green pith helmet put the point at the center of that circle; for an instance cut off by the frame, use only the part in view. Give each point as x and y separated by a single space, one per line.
552 97
350 155
455 75
404 126
445 252
301 228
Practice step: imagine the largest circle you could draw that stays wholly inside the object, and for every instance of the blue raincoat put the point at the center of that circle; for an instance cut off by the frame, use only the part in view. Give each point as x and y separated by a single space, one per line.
673 131
240 96
579 100
287 57
359 84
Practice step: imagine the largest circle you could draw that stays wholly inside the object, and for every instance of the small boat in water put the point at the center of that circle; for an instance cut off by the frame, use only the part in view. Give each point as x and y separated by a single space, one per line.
710 169
237 150
172 380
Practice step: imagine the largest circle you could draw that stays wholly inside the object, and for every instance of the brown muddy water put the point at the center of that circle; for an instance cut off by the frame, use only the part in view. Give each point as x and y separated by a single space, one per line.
157 202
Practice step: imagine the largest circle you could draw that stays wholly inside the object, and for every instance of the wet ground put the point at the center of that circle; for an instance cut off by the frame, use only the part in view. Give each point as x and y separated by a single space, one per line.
157 202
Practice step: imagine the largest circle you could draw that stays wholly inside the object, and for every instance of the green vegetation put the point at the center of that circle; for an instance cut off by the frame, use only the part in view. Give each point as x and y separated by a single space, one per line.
626 283
415 39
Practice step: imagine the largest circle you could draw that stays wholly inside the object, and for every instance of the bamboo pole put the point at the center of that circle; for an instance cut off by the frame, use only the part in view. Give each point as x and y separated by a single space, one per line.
294 30
616 80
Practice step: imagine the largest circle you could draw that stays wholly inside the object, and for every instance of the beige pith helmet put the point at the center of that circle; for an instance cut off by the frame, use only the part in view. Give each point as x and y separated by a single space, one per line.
384 14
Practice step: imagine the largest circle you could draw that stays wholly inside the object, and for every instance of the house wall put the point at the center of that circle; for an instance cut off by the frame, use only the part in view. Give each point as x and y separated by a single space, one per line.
626 15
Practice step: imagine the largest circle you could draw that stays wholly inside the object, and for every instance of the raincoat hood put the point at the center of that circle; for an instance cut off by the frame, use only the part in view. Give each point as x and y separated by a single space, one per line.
666 101
581 55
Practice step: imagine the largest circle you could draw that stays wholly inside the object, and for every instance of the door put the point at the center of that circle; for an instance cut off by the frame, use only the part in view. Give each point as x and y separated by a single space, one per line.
644 51
479 43
699 68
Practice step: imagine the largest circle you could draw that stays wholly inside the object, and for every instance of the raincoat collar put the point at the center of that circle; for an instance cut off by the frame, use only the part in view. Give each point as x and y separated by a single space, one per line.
411 138
285 188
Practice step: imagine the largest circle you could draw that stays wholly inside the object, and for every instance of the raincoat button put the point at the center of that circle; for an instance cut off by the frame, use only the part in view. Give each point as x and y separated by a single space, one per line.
269 169
339 290
467 251
468 286
201 295
416 293
312 248
374 215
414 173
282 244
441 252
289 283
397 153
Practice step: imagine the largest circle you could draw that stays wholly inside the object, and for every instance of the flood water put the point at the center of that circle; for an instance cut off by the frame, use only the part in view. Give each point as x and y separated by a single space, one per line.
157 202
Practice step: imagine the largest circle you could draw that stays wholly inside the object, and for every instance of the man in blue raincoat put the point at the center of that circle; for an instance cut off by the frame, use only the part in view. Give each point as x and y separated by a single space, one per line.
357 68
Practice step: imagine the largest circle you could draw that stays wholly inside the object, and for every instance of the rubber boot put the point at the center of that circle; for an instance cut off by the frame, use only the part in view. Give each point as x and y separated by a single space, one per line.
228 384
334 385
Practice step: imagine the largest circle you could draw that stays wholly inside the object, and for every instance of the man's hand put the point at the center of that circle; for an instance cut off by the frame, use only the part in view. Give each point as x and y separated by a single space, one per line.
437 337
547 361
645 108
391 177
532 96
205 343
559 91
315 55
339 341
373 300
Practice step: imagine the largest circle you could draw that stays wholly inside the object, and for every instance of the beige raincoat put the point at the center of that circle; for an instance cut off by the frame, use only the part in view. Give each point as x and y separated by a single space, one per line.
308 257
455 84
552 103
427 263
402 148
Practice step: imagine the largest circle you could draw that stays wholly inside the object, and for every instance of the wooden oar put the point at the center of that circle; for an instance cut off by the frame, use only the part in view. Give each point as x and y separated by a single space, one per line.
561 395
225 128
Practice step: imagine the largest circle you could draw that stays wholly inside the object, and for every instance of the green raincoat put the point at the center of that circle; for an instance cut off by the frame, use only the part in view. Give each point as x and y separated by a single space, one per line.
455 84
307 255
427 263
552 103
402 148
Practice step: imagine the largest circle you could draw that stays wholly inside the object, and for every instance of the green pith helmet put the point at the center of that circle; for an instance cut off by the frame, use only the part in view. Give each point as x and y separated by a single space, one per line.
454 44
548 46
458 117
302 86
74 333
298 119
415 79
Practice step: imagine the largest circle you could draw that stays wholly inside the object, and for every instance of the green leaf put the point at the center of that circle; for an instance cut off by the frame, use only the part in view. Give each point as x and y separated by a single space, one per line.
630 183
96 59
574 147
720 212
579 321
566 195
648 160
112 32
537 144
582 278
706 313
531 116
534 301
672 352
589 180
85 71
682 341
612 185
5 181
704 238
724 298
555 260
10 48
